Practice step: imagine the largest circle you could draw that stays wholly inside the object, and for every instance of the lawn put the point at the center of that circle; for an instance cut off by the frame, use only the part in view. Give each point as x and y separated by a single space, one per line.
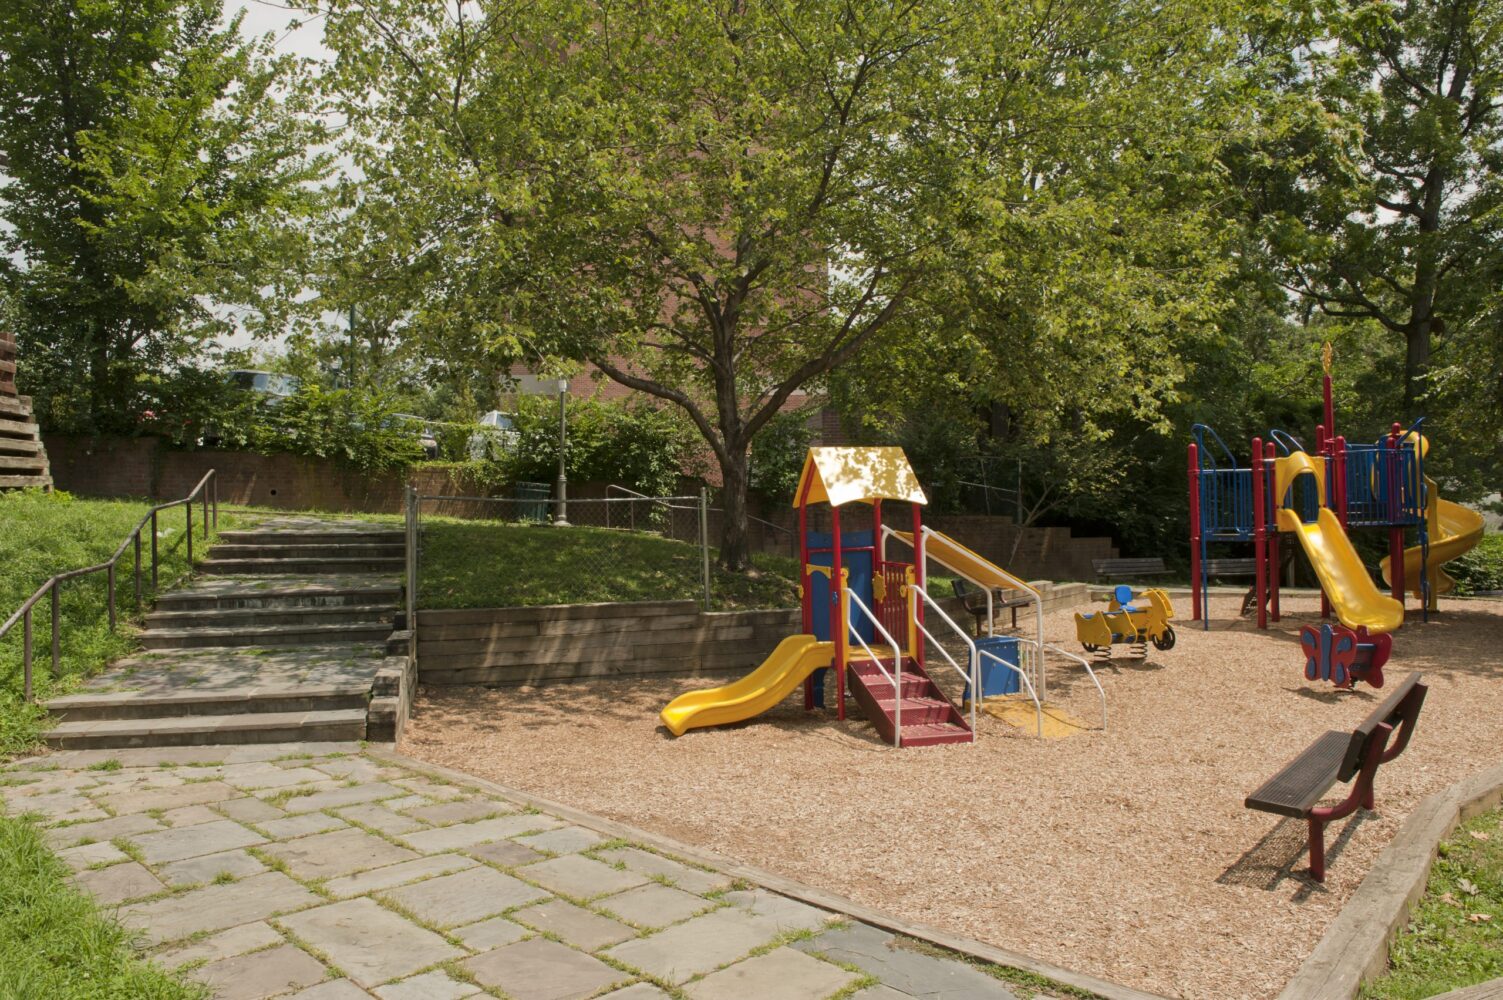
484 564
46 533
1455 935
56 942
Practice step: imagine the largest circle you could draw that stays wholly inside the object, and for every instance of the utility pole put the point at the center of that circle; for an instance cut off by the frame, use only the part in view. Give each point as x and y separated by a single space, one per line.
561 518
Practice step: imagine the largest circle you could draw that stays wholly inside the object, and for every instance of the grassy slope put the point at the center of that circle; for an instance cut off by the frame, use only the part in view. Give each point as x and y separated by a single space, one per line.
55 941
1455 934
43 534
478 564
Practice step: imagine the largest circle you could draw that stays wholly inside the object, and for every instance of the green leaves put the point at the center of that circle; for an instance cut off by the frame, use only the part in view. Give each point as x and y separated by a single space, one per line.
158 200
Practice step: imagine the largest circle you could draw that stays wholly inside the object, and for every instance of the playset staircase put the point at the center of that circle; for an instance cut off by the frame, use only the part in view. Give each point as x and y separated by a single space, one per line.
23 460
929 717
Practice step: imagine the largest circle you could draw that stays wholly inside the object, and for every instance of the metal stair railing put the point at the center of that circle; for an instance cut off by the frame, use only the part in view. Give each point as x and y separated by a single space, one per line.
207 491
971 676
895 678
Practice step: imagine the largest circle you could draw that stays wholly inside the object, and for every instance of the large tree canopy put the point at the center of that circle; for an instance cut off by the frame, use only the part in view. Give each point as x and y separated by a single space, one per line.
160 170
719 203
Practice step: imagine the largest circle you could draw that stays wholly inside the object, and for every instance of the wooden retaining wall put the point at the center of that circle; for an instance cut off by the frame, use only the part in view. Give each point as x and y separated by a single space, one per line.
572 642
569 642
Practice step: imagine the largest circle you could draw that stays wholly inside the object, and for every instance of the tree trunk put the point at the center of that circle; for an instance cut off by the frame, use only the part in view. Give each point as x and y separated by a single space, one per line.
735 543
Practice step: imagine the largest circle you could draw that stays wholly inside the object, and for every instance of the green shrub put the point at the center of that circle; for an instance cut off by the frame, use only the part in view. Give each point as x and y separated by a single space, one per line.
356 428
1480 569
777 456
634 445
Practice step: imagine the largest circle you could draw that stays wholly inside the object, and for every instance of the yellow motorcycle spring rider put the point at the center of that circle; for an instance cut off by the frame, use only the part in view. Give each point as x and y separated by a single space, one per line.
1136 621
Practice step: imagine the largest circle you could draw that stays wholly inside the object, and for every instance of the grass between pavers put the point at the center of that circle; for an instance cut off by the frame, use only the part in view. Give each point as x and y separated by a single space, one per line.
488 564
46 533
56 941
1454 937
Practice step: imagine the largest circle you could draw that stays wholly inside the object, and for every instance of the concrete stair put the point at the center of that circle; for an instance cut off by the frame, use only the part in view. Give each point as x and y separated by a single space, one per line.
295 653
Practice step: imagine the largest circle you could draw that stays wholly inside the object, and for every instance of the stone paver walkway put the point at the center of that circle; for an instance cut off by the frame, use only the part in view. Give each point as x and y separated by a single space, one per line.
320 872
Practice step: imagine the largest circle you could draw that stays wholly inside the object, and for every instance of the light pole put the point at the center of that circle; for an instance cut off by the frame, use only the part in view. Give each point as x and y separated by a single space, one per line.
561 517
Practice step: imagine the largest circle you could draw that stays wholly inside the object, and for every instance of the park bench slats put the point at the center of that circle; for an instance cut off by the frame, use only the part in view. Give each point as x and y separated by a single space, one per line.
1339 756
1295 790
1112 568
1231 567
975 601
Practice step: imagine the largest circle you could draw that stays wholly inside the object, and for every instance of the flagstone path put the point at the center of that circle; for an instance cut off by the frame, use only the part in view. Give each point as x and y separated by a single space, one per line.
323 872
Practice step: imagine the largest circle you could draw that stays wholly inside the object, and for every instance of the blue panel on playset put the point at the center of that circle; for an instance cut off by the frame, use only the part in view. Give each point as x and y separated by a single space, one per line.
860 566
995 678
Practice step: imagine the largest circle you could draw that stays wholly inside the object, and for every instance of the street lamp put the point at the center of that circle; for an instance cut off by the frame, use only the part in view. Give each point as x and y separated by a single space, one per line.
561 516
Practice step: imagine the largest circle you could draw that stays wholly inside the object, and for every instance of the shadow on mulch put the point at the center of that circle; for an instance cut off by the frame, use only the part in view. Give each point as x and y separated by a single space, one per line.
1268 863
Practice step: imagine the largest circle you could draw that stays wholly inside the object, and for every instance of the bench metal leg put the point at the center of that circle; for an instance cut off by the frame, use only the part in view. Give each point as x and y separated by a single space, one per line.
1317 848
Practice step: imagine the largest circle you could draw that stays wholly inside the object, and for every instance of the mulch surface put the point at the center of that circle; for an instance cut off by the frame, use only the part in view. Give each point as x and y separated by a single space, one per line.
1123 853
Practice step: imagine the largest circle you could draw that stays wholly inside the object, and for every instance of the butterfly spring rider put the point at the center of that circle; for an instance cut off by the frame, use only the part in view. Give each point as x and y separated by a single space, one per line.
1342 656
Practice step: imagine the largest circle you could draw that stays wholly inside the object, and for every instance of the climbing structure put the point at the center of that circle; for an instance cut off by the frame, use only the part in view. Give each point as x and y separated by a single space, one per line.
23 460
1318 498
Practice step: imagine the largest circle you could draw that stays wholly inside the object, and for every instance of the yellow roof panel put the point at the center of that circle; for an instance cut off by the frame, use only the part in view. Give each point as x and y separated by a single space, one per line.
841 475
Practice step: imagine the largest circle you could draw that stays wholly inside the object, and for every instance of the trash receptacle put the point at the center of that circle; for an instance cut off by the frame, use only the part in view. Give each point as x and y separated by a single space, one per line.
995 678
532 501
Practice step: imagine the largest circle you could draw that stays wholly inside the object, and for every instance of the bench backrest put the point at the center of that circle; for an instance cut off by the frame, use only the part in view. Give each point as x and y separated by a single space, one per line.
1400 710
1152 564
1232 567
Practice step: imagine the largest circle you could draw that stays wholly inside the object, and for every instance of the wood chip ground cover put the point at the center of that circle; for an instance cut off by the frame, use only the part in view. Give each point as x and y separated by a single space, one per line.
1126 853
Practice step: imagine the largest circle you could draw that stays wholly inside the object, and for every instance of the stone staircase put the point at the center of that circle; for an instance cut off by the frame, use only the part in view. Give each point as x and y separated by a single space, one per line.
23 459
287 644
929 717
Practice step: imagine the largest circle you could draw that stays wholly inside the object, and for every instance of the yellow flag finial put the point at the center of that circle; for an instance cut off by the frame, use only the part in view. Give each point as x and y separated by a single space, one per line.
1327 353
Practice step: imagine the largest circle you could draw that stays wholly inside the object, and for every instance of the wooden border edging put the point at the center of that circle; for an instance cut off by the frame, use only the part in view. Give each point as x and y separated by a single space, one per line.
1355 947
783 886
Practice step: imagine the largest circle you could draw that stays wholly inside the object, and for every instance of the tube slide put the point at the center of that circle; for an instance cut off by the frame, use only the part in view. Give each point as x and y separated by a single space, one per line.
780 674
1454 531
1354 597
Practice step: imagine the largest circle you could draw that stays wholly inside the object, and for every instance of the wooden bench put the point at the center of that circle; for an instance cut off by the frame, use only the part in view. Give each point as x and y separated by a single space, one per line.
1115 569
1216 568
1341 756
975 602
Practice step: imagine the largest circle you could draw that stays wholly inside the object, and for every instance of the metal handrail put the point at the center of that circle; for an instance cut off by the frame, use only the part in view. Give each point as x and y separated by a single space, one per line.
897 659
207 490
970 644
1089 673
1038 706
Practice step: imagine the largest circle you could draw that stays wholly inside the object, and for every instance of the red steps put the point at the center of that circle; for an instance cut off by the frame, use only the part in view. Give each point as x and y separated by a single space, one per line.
929 718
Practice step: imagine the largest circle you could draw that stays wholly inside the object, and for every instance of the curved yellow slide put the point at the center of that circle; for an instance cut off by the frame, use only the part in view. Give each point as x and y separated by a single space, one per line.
1454 531
796 657
1354 597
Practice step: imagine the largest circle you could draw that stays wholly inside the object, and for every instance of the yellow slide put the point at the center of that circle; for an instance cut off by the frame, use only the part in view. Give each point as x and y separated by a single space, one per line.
1454 531
962 561
796 658
1356 600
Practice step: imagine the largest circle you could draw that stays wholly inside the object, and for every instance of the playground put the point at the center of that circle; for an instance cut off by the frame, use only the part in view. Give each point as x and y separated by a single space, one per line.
1125 853
1143 804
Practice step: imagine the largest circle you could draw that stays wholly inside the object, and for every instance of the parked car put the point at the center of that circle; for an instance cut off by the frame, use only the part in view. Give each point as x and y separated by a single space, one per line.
497 433
424 432
270 385
275 386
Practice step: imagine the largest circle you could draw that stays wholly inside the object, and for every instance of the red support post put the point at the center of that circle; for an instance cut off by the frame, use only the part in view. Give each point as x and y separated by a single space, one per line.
1271 457
1196 529
1324 450
1260 532
839 627
806 594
